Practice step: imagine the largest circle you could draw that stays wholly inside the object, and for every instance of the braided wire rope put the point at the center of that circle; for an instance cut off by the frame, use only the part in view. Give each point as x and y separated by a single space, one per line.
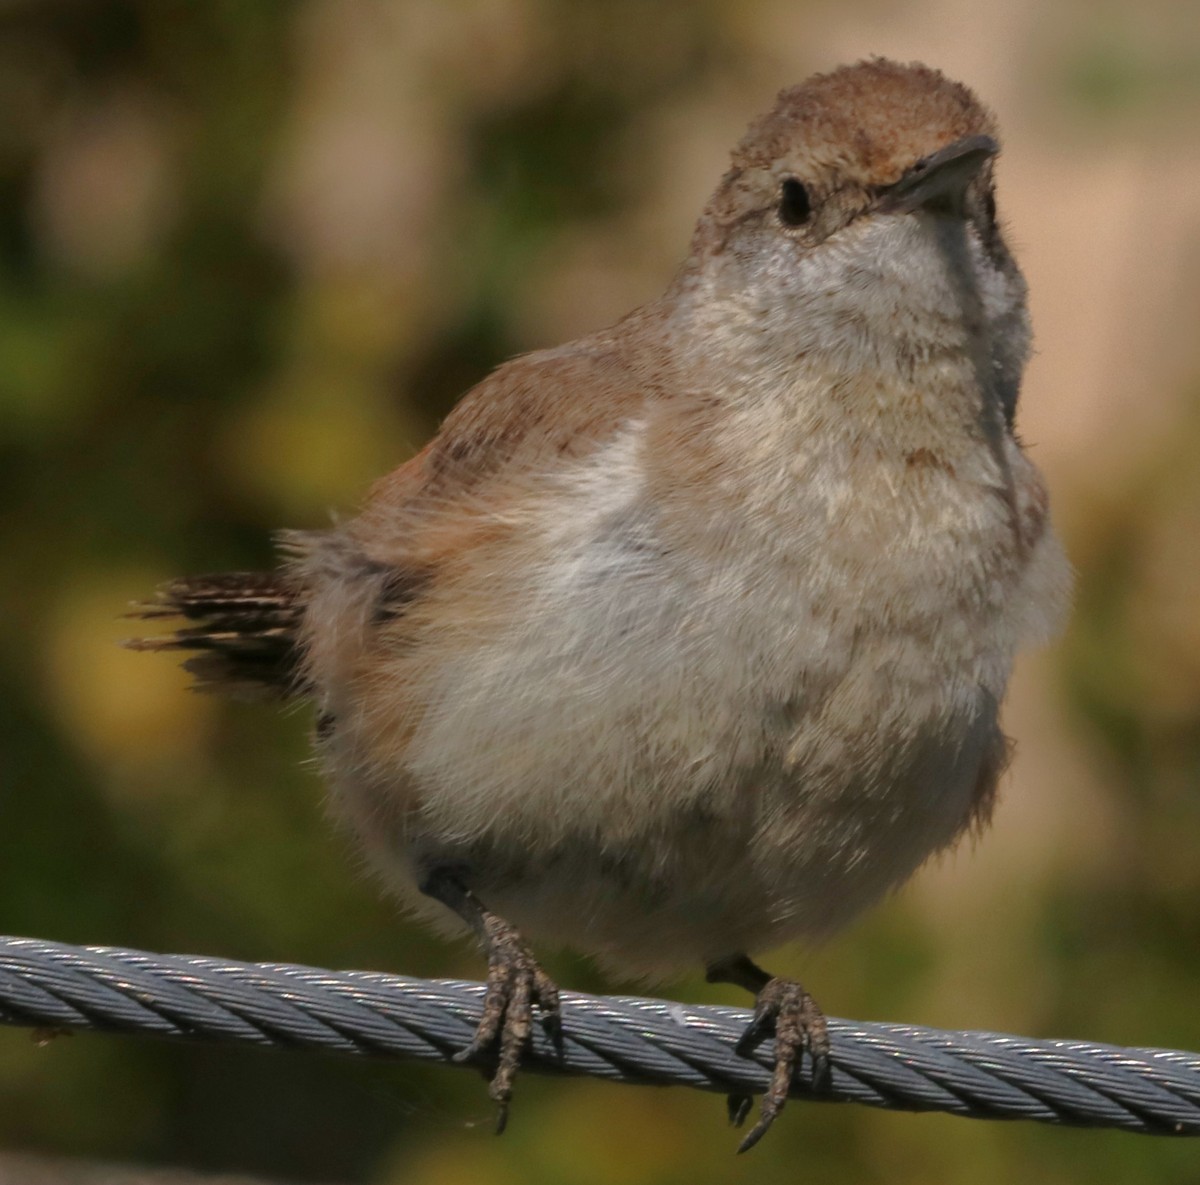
979 1075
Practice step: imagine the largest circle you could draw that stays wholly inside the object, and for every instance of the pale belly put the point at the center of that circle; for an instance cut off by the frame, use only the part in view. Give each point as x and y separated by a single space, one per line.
656 827
798 853
660 745
662 772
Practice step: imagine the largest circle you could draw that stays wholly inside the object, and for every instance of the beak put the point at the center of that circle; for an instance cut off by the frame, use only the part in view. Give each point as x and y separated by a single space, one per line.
939 182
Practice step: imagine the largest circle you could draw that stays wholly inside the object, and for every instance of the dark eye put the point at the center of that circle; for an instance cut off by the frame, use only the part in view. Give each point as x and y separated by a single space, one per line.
794 203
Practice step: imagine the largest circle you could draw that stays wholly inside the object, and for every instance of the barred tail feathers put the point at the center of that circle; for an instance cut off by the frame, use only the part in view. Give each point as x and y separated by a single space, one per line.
245 637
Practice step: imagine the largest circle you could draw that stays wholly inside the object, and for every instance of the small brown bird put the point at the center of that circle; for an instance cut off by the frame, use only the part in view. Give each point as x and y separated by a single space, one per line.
688 638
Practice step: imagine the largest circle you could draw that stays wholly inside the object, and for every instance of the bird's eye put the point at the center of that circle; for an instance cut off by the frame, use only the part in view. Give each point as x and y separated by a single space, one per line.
795 206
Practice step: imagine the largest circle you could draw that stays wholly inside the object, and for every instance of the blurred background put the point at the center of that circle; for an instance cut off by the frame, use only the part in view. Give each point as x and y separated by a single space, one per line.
250 253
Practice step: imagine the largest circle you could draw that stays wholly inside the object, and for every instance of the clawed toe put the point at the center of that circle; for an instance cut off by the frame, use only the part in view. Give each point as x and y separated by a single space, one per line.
787 1010
516 984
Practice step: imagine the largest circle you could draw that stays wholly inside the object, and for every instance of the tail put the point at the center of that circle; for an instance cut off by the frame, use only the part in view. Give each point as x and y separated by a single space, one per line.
245 641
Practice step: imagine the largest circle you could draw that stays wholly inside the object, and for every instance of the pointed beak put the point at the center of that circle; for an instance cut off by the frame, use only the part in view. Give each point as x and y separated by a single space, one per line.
939 182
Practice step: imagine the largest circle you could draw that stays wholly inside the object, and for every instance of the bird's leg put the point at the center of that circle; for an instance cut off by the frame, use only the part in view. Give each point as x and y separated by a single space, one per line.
785 1009
515 984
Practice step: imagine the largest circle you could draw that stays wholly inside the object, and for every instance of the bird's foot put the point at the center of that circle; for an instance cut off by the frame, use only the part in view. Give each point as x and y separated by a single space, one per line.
516 984
785 1009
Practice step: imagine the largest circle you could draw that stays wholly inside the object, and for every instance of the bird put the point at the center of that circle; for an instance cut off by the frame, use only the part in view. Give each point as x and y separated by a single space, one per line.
689 638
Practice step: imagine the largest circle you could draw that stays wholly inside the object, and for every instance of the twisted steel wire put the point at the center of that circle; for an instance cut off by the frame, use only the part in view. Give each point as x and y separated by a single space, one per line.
625 1039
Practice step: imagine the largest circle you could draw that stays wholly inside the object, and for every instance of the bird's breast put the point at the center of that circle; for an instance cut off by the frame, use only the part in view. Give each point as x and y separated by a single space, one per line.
628 655
786 694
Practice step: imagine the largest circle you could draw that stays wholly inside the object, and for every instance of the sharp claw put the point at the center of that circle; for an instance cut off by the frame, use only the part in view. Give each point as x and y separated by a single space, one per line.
466 1053
738 1106
821 1070
757 1031
755 1134
552 1024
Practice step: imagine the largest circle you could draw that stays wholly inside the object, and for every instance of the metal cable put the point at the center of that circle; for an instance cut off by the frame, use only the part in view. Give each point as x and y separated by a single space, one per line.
625 1039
